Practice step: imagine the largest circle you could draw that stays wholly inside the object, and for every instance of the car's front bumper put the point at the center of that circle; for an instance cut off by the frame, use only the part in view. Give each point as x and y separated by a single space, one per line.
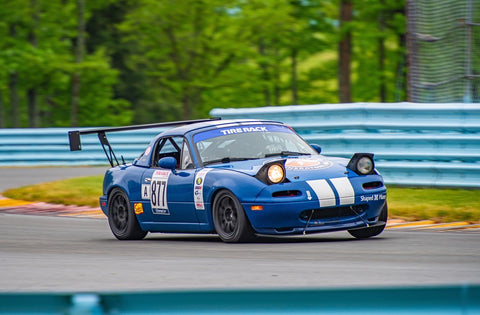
294 218
302 213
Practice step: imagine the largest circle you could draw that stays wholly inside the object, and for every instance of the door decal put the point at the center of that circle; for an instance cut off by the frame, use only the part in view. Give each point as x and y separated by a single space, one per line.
158 192
198 189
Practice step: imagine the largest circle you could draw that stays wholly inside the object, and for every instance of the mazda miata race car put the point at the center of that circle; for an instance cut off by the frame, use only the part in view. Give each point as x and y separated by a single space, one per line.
238 178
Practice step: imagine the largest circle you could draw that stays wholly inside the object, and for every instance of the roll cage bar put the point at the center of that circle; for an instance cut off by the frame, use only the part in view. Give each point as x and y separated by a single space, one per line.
76 145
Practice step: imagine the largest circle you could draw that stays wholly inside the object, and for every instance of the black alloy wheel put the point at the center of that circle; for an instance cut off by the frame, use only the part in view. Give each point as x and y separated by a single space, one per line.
121 218
229 218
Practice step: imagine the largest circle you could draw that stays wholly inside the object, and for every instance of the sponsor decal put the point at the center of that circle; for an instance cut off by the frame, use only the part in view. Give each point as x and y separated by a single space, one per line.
307 164
375 197
145 154
158 192
138 208
148 150
243 130
198 189
239 129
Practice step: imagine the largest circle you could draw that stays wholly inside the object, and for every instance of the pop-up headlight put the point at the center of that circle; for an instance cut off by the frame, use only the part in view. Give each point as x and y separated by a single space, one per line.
362 164
272 172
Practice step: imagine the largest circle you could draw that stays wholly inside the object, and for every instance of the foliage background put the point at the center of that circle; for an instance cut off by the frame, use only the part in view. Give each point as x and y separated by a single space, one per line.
117 62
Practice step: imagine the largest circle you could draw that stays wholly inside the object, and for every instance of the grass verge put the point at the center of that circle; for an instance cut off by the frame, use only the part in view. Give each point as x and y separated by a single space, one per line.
82 191
440 205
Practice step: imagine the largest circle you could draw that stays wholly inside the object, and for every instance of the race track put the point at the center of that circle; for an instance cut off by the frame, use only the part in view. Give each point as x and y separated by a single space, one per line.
44 253
73 254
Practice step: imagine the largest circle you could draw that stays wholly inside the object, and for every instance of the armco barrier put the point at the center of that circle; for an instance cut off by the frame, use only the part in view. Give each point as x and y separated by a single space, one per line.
415 300
414 144
49 146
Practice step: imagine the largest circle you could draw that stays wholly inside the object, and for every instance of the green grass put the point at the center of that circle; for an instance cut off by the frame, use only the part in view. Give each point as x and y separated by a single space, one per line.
82 191
440 205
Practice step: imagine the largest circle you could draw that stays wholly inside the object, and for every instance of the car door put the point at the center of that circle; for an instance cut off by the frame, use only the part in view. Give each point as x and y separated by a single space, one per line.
167 195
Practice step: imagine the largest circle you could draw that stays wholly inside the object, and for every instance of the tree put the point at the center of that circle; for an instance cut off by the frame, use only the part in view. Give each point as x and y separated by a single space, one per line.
378 53
186 46
344 51
79 52
36 52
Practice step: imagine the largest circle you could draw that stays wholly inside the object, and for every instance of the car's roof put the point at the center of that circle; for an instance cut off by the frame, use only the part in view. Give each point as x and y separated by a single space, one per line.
182 130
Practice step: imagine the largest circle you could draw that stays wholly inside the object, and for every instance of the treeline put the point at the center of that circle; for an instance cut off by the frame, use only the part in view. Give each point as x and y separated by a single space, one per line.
116 62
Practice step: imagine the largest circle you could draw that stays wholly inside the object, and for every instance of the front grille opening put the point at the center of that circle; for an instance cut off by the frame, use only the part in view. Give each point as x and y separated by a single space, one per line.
334 212
287 193
372 185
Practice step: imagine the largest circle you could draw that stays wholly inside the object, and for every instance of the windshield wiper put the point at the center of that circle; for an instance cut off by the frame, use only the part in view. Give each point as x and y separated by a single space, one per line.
226 160
286 153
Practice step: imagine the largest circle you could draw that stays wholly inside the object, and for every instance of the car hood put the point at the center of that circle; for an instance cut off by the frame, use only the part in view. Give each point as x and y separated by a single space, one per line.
299 168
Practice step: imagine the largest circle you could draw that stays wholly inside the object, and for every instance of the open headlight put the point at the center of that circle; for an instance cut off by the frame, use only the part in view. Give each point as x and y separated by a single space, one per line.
275 173
365 165
362 164
272 172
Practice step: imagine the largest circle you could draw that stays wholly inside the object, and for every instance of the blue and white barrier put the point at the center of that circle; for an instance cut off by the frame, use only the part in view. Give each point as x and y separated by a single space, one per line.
414 144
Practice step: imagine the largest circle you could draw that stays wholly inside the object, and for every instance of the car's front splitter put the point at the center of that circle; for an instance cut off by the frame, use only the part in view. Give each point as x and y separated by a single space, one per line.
295 218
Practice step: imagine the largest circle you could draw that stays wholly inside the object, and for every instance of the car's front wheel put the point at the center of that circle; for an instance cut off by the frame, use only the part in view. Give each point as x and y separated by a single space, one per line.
229 218
121 218
374 230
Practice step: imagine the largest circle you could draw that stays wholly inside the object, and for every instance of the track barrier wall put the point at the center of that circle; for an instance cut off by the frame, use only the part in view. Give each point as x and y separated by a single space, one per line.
414 144
463 299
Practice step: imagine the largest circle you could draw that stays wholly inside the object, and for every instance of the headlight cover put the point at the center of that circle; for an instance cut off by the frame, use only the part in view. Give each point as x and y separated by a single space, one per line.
362 164
272 172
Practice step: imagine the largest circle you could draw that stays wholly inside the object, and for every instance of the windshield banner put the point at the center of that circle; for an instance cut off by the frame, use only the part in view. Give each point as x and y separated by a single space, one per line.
232 130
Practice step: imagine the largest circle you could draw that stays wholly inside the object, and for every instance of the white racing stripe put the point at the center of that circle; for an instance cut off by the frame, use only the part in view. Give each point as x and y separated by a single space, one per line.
344 189
325 194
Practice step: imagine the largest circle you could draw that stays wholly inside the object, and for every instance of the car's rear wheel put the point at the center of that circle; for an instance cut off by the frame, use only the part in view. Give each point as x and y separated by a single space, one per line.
374 230
121 218
229 218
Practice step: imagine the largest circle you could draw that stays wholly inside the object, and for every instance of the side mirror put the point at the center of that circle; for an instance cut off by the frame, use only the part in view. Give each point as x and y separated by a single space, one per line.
316 147
168 162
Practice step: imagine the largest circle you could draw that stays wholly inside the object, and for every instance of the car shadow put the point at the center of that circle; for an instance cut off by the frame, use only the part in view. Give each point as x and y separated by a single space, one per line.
262 239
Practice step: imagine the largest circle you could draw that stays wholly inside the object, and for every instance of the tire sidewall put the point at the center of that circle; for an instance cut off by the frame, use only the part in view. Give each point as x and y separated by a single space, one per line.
132 229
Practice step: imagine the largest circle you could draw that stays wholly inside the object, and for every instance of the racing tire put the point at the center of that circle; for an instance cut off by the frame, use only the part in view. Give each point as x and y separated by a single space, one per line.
121 218
230 220
374 230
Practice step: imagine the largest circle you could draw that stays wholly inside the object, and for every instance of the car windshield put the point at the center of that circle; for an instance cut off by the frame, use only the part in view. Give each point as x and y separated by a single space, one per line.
245 142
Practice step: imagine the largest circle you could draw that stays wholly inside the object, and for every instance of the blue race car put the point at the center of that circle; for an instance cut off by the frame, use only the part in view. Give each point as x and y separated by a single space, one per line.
238 178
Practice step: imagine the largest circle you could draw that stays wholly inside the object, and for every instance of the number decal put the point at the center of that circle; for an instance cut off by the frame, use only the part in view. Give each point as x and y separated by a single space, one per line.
158 195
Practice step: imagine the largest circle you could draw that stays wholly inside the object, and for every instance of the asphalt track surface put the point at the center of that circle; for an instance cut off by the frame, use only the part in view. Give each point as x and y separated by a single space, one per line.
70 254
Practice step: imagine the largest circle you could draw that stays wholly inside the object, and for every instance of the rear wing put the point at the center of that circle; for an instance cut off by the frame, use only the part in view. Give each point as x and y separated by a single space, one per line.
76 144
